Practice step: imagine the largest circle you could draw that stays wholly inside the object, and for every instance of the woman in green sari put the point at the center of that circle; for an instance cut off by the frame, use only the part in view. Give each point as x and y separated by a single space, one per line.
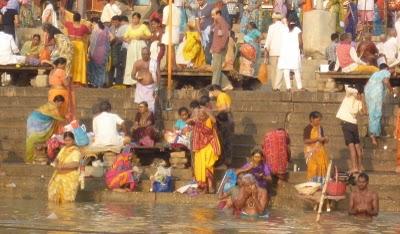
41 125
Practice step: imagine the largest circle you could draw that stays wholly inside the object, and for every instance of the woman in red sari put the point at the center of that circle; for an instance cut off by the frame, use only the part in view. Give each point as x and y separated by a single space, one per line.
207 149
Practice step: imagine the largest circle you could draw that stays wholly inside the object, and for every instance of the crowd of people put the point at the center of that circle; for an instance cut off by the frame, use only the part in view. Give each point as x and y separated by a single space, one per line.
113 50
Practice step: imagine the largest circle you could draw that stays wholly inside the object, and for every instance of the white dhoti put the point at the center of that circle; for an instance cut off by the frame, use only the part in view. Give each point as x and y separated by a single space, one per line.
145 93
153 66
175 36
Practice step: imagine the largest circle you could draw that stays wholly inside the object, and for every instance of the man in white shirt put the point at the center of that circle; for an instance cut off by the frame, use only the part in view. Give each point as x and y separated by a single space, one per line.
351 106
105 127
110 9
273 45
389 47
8 49
176 18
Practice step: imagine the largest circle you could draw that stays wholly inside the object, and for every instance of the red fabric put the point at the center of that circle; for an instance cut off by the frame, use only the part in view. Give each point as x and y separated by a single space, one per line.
74 31
343 53
202 136
276 150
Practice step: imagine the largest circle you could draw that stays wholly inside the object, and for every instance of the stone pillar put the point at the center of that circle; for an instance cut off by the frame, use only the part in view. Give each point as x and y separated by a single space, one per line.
318 25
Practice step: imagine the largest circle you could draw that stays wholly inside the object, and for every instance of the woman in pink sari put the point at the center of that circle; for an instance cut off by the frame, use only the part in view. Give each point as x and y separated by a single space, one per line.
120 176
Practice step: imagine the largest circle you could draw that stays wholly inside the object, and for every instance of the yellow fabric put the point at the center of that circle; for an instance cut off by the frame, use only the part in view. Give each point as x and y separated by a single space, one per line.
223 100
63 187
50 109
79 61
193 51
366 69
135 33
204 159
316 157
28 50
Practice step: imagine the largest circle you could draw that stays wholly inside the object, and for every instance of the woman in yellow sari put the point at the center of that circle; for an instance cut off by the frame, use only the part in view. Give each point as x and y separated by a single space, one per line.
77 33
41 125
192 49
207 150
61 85
314 149
63 185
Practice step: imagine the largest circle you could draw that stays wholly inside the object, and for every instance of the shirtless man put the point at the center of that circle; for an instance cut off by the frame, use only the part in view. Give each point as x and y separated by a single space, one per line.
252 200
362 201
146 80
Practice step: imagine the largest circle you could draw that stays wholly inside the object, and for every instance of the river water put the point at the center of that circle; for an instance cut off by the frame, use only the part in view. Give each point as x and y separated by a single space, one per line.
28 216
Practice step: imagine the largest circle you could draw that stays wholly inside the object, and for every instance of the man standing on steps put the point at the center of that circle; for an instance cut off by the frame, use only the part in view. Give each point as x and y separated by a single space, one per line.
273 45
351 106
146 76
218 49
363 203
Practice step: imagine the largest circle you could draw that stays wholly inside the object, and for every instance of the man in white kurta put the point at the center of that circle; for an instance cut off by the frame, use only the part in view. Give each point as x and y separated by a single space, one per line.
176 17
110 9
8 49
389 47
273 45
290 57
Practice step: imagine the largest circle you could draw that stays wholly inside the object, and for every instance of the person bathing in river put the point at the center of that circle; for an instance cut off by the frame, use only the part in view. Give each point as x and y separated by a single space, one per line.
146 78
228 196
363 202
252 200
63 185
257 168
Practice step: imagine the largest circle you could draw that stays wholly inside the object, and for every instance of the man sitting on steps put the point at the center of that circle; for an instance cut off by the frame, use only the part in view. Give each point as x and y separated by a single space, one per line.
347 59
105 127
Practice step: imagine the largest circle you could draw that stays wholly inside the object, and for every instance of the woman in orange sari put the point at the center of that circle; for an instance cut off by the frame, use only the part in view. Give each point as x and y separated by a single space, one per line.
61 85
207 149
314 149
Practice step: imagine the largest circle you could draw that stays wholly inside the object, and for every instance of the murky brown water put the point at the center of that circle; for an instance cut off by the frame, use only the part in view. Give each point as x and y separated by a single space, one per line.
25 216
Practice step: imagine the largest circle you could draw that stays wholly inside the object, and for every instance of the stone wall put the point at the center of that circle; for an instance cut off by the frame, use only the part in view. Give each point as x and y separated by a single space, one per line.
254 112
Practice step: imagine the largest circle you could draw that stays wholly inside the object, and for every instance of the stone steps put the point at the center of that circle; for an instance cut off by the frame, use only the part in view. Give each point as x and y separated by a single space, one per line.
35 188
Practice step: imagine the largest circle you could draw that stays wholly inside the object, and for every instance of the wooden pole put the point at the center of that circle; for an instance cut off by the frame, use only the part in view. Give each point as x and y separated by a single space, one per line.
169 82
321 201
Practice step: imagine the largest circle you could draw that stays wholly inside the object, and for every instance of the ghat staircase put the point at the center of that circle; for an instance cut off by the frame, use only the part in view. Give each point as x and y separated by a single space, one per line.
255 113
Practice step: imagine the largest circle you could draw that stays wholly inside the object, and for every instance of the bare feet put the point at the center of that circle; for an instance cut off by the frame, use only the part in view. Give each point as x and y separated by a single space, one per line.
374 142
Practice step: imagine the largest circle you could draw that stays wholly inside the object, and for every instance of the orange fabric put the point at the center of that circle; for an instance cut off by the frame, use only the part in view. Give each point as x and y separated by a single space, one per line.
44 54
308 6
397 136
57 77
56 81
